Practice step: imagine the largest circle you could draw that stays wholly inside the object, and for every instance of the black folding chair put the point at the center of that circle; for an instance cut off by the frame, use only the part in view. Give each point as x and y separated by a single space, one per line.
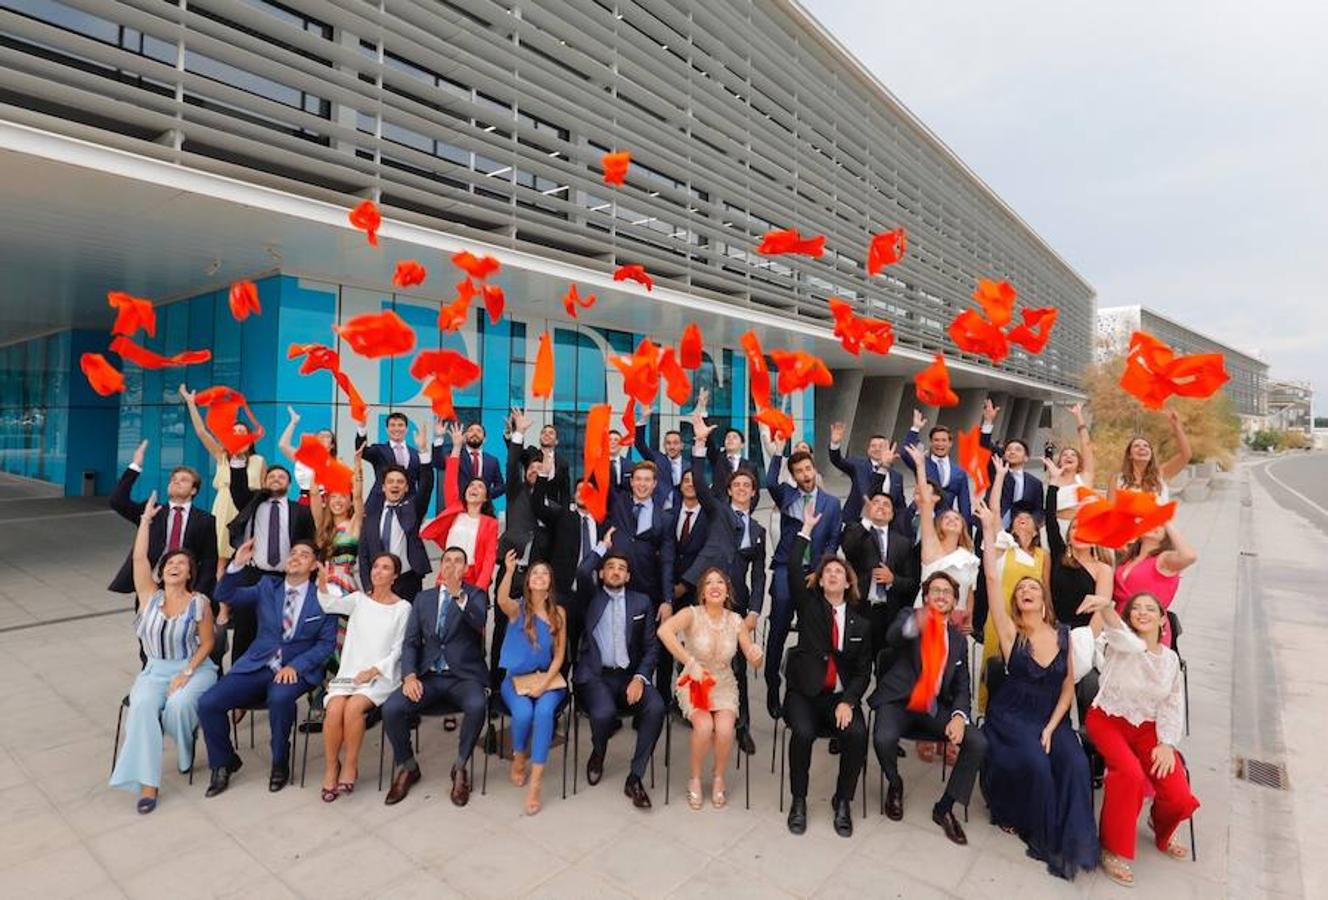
441 710
577 715
1173 622
373 716
823 732
737 754
119 724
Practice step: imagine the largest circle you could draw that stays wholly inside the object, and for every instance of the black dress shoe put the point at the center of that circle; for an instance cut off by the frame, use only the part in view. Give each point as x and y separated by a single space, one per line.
595 767
950 825
745 742
221 778
637 791
843 816
894 801
797 817
277 778
772 704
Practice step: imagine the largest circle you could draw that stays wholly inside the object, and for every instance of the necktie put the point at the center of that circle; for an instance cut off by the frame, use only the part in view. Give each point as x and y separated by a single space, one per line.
878 481
733 463
476 470
744 542
274 533
587 539
686 526
831 671
177 528
288 614
880 545
385 535
636 512
807 551
620 632
443 599
943 469
399 451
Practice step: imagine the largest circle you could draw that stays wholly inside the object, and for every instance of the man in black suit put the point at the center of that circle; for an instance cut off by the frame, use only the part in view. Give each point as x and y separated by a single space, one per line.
181 524
1022 490
475 463
729 458
828 672
395 451
736 546
884 563
618 653
669 465
274 524
620 465
936 711
392 521
689 530
868 475
553 469
442 661
572 536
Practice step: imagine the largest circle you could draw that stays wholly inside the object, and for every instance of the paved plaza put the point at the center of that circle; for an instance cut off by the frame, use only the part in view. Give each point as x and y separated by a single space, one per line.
67 657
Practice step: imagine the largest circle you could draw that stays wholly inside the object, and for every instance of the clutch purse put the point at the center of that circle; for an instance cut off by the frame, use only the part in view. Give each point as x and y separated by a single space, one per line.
525 683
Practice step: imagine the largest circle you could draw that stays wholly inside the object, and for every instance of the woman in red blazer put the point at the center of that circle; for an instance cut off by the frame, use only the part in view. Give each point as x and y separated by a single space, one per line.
467 520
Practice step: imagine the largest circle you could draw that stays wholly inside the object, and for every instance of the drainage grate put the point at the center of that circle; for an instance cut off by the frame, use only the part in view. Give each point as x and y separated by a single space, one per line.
1258 771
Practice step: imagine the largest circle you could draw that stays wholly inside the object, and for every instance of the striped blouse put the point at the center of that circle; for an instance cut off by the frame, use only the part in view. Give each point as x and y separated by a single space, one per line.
167 637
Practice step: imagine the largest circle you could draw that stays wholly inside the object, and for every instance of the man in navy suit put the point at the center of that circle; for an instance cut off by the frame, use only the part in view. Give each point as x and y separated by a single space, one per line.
689 531
392 522
1022 489
286 659
792 501
396 451
669 465
620 465
737 546
869 475
442 662
618 654
475 463
940 468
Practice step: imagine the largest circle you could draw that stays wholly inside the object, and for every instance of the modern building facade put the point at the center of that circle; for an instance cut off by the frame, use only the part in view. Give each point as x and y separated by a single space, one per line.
1249 384
1291 407
168 148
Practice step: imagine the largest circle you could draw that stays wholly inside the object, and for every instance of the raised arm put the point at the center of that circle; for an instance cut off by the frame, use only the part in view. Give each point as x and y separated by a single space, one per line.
998 606
510 607
144 586
285 442
930 540
210 443
837 458
915 461
1087 464
1181 458
1181 555
121 499
1055 540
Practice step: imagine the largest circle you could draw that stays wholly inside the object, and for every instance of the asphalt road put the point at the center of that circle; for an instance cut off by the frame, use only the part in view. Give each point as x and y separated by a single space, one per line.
1300 482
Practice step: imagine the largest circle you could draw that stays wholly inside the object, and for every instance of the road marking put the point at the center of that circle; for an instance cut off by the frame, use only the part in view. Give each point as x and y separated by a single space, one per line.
1268 470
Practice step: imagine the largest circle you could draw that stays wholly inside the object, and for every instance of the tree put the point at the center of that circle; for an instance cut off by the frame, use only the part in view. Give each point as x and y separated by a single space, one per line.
1212 424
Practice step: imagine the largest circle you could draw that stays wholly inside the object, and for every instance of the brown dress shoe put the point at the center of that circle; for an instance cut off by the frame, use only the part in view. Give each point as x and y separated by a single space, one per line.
460 786
401 783
637 791
950 825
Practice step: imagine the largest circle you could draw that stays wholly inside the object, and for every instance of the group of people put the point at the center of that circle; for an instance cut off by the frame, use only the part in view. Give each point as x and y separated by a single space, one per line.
334 596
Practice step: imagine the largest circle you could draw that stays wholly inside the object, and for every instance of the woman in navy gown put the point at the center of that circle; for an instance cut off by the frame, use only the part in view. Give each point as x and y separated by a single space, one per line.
1036 777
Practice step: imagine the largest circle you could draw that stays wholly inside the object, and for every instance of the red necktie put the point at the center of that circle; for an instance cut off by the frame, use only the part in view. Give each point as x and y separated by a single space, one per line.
177 526
831 671
475 471
686 527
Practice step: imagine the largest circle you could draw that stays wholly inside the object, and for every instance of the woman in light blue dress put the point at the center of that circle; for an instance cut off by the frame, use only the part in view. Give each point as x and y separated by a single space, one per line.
174 625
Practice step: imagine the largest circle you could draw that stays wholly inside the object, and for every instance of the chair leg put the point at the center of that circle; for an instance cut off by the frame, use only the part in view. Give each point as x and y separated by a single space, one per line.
193 750
115 748
1185 682
382 753
783 751
576 747
253 713
747 780
652 771
774 737
304 754
668 746
1194 851
567 739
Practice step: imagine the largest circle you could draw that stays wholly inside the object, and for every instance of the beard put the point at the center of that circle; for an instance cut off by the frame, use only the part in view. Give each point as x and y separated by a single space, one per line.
475 442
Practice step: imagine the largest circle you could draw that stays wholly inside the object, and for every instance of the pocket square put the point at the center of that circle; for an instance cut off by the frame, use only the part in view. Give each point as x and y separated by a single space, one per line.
638 618
858 639
312 618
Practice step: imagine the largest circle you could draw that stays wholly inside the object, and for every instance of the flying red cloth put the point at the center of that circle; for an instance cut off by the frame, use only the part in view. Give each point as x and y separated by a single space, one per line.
776 243
933 644
996 299
374 335
148 359
974 458
799 370
454 315
689 348
224 406
1035 331
409 273
446 369
572 299
640 372
679 385
615 166
629 416
933 385
541 385
131 314
974 334
244 300
1117 522
103 377
1153 372
494 302
856 333
333 475
698 692
886 249
757 370
367 218
779 422
319 357
595 489
635 273
477 267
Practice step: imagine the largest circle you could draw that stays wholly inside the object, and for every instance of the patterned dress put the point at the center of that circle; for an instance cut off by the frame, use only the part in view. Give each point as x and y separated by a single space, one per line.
714 646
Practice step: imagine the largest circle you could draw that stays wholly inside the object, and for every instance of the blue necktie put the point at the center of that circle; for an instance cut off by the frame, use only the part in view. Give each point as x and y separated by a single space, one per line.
386 534
274 534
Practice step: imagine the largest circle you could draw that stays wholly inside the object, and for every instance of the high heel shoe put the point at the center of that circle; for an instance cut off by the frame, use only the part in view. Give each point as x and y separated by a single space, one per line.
718 796
694 794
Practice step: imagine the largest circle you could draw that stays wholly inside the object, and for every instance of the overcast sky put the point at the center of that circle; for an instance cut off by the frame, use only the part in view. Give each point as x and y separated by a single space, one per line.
1175 153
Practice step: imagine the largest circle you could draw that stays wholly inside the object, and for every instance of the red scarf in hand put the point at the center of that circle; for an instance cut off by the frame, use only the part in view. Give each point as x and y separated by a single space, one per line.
699 691
933 641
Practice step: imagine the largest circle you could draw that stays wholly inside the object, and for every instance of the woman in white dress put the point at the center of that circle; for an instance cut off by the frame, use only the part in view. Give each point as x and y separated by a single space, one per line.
1140 470
370 667
946 546
1071 470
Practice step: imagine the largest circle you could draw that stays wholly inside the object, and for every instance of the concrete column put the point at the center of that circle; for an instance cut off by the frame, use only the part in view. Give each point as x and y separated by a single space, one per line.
1014 426
904 419
968 413
1002 401
1030 432
837 403
878 409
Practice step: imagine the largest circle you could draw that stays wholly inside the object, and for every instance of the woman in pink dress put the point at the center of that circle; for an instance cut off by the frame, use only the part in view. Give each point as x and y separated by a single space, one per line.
1152 565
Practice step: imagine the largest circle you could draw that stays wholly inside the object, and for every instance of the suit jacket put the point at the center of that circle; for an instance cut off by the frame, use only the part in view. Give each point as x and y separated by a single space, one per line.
521 524
380 456
620 474
590 605
479 568
861 482
491 472
667 491
1032 498
723 549
650 554
863 552
462 642
895 684
199 538
788 499
956 490
807 662
562 525
722 469
310 646
686 552
410 516
247 502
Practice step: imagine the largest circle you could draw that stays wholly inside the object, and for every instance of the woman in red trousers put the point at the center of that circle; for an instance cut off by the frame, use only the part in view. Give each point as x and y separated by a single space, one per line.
1135 723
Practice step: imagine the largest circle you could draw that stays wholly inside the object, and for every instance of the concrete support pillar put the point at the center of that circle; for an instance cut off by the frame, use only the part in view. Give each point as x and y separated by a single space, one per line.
837 403
1030 432
968 413
1014 426
878 410
904 419
1001 399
